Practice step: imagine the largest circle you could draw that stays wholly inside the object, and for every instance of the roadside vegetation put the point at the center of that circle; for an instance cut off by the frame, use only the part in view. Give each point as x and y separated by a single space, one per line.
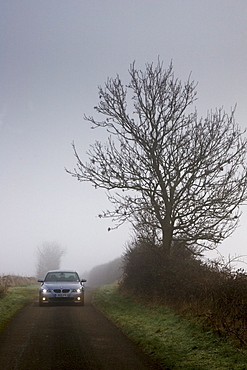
213 293
13 298
106 273
174 341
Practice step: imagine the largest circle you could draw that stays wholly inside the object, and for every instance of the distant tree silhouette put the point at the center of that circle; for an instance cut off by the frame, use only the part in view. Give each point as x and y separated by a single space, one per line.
49 258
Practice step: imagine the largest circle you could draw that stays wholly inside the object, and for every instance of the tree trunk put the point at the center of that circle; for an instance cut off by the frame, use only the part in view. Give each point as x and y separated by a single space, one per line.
166 238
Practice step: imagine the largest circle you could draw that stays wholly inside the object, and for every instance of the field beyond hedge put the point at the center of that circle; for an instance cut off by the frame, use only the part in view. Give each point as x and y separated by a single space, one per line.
14 280
173 341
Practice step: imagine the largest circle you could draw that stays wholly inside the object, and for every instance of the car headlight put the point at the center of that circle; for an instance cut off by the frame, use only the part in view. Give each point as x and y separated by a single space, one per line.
77 290
45 290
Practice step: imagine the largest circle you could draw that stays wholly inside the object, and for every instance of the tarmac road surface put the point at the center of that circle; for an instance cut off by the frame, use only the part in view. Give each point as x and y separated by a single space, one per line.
67 338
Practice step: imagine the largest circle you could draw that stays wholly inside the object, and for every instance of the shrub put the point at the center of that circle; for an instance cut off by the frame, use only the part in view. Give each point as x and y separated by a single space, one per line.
214 293
2 291
107 273
146 273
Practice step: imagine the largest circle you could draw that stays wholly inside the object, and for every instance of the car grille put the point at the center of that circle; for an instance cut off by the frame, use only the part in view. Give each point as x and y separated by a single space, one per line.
61 290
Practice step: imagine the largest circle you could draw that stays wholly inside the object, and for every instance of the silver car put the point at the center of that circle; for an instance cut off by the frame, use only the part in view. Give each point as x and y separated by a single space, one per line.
61 286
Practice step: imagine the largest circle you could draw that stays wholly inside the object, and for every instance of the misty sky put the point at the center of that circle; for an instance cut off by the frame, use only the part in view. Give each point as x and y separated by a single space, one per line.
53 56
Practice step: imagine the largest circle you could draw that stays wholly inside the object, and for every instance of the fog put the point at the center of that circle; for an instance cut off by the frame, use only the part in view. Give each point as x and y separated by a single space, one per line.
54 54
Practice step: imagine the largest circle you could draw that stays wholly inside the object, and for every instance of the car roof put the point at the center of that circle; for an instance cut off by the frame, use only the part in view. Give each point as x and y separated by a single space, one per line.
61 271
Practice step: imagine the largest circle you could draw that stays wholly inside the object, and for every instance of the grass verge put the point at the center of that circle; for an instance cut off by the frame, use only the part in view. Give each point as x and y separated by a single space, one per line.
13 300
174 342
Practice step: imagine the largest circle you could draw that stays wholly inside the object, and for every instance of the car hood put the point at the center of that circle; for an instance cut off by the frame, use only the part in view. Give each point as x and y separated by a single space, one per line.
62 285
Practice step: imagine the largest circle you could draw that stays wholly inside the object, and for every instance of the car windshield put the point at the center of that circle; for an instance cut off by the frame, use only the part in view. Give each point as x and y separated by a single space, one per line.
61 276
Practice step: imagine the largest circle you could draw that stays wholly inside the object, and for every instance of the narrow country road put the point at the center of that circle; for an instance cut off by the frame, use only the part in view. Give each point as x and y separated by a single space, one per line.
67 338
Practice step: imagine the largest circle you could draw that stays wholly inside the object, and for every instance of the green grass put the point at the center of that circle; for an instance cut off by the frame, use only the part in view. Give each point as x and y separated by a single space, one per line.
174 342
13 300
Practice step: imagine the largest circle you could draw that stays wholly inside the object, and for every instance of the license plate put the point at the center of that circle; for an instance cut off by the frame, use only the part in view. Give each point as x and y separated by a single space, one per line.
61 295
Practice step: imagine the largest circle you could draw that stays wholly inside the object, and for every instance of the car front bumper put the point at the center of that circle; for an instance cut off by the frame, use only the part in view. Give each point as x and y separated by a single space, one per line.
45 298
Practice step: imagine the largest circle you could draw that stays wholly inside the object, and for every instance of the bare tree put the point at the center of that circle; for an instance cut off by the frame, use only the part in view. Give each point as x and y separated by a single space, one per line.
164 168
49 257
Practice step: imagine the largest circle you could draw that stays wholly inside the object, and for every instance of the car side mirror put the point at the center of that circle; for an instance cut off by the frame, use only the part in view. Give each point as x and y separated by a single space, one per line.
40 280
83 280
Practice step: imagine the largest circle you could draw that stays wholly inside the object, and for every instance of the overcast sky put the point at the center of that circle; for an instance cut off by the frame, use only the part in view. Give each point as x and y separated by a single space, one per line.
53 56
